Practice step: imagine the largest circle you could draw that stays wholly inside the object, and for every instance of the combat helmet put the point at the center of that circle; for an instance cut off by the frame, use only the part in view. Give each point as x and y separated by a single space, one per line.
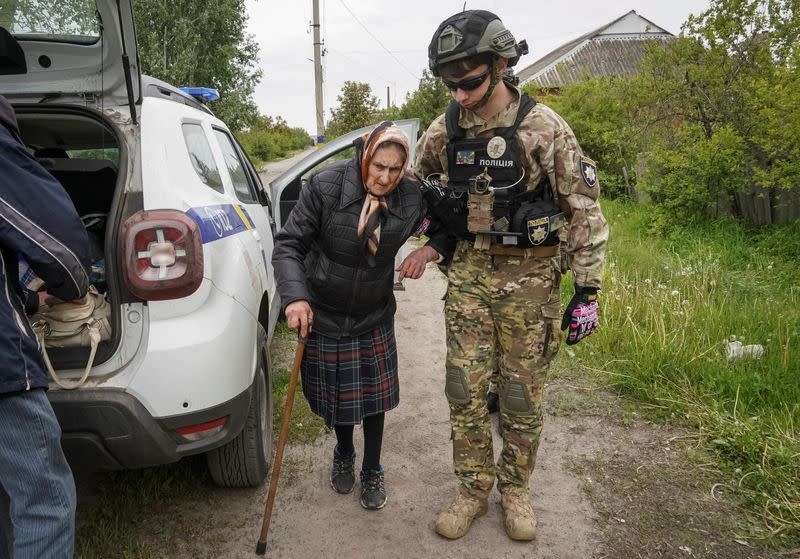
470 33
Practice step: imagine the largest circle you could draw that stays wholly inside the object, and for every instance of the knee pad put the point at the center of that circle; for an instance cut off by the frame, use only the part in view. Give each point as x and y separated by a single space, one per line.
515 398
455 386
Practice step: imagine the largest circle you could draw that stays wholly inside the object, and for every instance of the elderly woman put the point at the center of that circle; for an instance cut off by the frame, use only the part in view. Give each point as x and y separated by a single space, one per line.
334 264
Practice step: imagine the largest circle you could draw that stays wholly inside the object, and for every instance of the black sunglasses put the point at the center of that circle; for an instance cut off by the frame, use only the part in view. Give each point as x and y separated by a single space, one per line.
468 84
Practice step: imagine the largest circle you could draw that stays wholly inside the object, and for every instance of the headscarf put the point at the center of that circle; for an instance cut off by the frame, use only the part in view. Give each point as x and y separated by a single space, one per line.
9 119
374 210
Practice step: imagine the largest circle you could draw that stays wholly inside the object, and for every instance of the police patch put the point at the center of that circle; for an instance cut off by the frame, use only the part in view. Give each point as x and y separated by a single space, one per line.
538 230
466 157
589 172
496 147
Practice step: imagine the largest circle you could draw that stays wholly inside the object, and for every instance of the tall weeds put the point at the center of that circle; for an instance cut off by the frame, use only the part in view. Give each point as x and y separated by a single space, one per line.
671 303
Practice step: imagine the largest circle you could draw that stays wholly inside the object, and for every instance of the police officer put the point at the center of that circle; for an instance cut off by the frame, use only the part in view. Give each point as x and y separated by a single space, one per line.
509 177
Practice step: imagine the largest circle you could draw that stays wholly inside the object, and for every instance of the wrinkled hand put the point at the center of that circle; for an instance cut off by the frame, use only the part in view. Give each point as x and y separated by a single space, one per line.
413 265
581 314
299 315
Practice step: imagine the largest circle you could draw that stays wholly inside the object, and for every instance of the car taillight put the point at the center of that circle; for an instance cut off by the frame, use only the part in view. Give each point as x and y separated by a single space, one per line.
163 254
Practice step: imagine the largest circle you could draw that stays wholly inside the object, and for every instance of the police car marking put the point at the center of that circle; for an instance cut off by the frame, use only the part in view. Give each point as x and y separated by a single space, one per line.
220 221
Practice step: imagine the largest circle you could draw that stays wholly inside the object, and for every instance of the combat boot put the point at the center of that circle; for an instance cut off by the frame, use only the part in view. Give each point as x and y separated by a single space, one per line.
456 520
520 521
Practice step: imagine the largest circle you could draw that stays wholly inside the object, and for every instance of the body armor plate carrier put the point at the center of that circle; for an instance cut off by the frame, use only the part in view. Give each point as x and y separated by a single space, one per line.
486 188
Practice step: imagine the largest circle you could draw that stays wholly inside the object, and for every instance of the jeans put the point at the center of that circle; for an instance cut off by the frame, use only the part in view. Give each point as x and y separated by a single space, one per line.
36 478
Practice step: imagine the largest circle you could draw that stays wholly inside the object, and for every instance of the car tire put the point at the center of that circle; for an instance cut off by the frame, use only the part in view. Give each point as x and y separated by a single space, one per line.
245 460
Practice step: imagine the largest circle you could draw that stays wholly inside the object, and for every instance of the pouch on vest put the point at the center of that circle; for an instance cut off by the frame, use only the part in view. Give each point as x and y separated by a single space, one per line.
538 218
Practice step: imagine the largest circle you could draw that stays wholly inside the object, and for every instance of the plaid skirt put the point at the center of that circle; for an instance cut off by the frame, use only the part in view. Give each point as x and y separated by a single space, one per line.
348 379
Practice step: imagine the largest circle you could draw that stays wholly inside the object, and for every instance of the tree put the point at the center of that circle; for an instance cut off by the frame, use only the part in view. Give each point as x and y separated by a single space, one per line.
596 111
426 102
358 107
191 43
727 86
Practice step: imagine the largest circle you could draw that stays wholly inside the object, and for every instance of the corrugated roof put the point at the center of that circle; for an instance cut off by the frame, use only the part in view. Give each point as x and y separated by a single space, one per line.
594 54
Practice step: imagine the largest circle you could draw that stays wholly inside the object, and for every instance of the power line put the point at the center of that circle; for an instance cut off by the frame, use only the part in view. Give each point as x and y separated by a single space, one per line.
403 66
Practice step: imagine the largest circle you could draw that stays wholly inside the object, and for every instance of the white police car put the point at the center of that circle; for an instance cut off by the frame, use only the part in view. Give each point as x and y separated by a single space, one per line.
183 238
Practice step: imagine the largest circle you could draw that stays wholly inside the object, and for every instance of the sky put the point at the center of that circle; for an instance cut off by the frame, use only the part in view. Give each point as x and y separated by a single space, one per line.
384 42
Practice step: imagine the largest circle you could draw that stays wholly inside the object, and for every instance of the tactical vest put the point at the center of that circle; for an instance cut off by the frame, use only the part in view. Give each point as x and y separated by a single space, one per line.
487 186
488 178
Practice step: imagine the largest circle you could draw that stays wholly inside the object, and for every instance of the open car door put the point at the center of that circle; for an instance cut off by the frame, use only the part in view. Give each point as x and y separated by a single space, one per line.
70 51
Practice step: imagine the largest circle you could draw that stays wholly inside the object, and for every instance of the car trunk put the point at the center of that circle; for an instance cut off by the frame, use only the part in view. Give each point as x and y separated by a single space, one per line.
84 150
71 71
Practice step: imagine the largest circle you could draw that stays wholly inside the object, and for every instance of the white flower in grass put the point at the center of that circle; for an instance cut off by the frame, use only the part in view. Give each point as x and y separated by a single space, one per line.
675 293
770 266
648 281
662 286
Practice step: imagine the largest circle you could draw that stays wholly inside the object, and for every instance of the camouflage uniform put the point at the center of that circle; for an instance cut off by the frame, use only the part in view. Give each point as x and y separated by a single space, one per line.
507 308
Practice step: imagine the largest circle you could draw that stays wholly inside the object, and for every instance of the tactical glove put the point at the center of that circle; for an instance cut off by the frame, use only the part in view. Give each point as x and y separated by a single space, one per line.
581 314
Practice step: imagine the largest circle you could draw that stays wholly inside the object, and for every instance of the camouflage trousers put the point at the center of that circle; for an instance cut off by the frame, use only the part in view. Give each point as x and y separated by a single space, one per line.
501 312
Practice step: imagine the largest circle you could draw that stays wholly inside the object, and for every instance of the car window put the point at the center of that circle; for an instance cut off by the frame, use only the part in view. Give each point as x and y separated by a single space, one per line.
76 23
347 153
236 170
110 154
201 156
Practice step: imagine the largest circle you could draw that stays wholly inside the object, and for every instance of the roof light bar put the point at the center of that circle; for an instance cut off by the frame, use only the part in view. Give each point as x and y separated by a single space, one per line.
202 94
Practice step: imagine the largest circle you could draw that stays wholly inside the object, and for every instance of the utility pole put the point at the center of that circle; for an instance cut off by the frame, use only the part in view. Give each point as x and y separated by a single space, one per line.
388 101
318 72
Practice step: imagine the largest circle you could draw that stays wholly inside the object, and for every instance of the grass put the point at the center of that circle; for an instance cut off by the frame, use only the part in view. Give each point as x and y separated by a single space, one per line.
127 499
671 302
305 427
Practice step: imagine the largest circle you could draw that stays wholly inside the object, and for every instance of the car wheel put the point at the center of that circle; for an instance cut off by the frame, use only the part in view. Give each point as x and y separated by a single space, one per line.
244 461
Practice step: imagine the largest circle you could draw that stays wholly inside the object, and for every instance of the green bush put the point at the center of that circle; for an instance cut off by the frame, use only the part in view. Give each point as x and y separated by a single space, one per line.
272 139
686 176
595 110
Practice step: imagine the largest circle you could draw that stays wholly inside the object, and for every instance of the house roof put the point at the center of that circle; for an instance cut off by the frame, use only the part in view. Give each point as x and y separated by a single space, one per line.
616 49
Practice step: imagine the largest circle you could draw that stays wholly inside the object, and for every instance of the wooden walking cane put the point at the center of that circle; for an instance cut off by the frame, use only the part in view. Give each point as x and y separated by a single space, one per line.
261 546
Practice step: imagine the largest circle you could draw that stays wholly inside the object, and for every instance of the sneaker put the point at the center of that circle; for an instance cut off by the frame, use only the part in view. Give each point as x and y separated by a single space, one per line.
343 477
373 490
455 521
520 521
492 402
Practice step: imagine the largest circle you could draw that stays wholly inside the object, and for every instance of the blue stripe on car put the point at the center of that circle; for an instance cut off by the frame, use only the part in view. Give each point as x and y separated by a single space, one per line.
219 221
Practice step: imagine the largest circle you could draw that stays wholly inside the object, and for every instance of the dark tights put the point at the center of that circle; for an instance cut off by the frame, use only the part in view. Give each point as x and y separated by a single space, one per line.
373 437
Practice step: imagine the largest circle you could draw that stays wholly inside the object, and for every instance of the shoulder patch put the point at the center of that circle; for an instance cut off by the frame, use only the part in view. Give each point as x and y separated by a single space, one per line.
589 172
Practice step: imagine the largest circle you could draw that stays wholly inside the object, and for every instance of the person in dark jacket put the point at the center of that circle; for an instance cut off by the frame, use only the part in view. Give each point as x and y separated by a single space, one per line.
38 223
334 265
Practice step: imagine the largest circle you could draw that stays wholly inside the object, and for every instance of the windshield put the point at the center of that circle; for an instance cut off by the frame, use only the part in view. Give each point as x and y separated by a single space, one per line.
73 21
